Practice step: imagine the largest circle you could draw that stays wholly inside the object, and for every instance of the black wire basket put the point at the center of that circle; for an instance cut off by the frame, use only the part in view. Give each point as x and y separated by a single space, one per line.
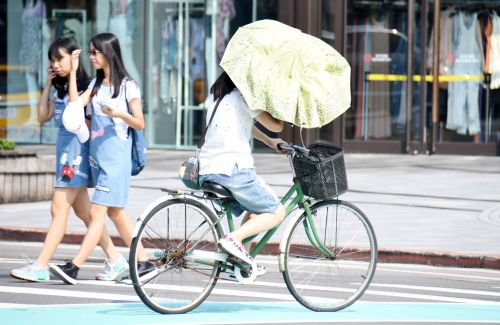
322 172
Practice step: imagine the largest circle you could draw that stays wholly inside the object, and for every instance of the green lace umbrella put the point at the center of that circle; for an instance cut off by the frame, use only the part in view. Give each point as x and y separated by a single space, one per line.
294 76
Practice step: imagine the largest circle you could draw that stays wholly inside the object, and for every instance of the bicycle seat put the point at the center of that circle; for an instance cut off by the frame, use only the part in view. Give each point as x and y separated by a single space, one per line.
218 190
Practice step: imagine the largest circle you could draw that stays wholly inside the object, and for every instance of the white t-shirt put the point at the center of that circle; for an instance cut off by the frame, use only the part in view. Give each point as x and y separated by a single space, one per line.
103 97
227 141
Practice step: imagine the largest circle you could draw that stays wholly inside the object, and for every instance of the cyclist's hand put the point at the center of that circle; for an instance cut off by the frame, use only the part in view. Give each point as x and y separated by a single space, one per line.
274 144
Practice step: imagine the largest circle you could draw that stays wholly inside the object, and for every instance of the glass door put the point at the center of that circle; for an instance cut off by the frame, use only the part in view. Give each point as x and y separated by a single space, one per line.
181 64
384 48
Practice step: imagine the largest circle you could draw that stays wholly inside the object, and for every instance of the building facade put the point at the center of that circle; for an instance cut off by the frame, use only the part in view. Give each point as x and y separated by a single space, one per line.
415 88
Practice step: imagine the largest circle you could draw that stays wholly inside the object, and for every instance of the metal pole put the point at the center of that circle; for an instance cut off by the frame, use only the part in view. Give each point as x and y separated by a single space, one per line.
487 124
423 83
409 72
435 76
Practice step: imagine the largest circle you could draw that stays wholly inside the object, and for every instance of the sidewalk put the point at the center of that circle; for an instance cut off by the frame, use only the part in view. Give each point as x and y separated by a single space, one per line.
439 210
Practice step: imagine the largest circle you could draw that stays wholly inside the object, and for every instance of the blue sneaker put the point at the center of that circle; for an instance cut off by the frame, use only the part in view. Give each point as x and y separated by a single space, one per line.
113 269
31 272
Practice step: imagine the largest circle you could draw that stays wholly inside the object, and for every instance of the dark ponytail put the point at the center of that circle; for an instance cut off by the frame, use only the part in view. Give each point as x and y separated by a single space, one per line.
222 86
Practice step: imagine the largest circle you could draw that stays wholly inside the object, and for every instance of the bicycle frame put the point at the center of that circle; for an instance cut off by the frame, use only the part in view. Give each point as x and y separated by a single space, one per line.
291 202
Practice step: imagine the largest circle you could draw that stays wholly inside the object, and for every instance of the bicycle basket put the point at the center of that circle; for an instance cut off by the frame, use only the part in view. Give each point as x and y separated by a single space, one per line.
322 172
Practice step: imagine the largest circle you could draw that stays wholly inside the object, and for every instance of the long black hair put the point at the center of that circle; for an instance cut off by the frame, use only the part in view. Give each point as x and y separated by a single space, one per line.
109 45
222 86
68 45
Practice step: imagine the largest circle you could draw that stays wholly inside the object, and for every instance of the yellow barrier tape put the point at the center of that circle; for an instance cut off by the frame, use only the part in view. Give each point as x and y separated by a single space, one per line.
428 78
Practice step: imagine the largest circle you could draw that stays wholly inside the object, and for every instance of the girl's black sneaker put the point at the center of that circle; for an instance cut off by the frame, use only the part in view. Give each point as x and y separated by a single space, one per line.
67 272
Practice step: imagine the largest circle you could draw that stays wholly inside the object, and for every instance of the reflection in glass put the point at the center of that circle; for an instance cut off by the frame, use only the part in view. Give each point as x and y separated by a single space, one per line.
376 49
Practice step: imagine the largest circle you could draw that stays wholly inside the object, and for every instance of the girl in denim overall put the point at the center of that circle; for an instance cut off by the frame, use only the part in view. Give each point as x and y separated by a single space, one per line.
110 146
72 165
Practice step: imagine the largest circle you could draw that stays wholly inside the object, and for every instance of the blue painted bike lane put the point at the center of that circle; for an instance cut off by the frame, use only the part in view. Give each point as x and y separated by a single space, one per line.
258 313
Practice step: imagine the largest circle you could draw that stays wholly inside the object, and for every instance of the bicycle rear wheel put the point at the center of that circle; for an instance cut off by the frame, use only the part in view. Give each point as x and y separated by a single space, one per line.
332 272
170 235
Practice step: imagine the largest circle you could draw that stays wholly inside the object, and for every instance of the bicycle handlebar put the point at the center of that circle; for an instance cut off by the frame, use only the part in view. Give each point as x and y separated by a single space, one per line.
293 147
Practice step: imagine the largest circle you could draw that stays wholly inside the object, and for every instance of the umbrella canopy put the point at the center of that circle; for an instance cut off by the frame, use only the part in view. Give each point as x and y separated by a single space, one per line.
294 76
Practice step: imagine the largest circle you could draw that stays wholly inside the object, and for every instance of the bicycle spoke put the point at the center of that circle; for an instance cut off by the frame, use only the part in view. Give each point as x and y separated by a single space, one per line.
349 269
168 234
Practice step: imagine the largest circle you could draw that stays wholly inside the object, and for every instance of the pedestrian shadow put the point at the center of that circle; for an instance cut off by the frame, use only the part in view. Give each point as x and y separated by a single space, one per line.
127 308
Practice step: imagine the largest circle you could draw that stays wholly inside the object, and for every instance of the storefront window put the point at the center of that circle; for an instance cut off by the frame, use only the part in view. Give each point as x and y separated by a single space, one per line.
468 107
327 34
28 28
377 39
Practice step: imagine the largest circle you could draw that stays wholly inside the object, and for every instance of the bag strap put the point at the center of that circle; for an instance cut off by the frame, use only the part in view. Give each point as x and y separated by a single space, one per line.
201 142
126 102
125 95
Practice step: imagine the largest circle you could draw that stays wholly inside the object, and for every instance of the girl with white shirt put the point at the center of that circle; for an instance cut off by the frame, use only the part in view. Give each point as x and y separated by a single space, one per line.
72 168
226 159
110 146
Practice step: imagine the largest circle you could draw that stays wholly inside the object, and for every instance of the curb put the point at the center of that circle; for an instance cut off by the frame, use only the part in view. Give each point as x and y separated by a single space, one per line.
33 234
385 255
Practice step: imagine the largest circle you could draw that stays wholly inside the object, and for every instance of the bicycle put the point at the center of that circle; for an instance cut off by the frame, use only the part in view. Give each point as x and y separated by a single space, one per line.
328 246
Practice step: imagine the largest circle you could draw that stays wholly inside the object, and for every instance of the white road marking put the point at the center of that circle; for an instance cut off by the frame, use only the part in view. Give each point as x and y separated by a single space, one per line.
448 275
438 289
69 293
312 321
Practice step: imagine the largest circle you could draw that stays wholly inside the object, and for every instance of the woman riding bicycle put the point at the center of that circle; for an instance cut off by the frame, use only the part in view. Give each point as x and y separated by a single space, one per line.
226 159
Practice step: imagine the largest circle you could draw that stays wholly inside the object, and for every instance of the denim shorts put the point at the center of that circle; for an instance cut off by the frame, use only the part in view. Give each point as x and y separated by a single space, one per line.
251 193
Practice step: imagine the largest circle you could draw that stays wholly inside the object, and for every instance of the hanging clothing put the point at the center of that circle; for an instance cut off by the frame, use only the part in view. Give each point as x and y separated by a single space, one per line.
197 49
31 37
399 66
494 52
463 96
445 44
225 12
72 157
378 104
168 63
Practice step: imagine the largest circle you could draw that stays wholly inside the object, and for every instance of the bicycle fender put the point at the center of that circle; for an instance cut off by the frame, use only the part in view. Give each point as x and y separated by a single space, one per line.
148 209
285 236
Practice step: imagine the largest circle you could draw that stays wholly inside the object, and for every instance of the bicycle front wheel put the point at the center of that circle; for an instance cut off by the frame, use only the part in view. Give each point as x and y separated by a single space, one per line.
171 235
330 258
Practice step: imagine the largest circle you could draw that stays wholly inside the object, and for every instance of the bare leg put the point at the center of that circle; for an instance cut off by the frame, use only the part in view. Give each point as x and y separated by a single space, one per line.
62 199
247 217
257 223
477 137
125 227
82 210
95 229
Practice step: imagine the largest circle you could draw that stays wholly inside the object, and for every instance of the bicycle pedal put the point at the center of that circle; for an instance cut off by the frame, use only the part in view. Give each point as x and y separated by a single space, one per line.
238 262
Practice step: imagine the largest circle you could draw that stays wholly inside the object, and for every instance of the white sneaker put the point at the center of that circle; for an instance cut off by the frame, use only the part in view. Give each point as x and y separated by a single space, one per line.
261 270
235 248
31 272
113 269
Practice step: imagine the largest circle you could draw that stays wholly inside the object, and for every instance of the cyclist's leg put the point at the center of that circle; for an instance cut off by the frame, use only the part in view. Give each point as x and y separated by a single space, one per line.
257 223
255 196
